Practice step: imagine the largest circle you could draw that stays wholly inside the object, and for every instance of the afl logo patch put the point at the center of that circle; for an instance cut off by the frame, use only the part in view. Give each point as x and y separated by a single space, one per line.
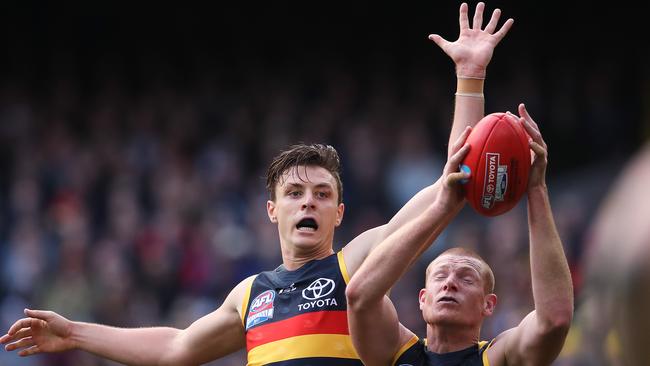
261 308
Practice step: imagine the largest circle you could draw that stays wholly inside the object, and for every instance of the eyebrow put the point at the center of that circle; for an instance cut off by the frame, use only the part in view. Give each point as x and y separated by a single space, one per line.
300 185
461 267
468 269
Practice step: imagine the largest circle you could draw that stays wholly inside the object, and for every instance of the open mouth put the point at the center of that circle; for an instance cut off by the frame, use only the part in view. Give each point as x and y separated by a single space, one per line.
447 299
307 224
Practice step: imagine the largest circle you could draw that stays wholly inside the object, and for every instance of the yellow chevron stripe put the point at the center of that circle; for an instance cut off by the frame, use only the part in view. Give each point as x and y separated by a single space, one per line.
343 267
486 362
314 345
403 349
244 305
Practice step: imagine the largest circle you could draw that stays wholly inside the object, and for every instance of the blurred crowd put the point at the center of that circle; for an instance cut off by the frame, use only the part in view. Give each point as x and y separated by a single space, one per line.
144 204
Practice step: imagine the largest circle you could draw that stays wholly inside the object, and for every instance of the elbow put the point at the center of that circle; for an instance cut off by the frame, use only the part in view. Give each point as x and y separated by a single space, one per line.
353 294
564 316
174 353
356 298
559 321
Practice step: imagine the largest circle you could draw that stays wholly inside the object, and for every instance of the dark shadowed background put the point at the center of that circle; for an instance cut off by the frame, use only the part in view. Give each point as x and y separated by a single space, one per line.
134 139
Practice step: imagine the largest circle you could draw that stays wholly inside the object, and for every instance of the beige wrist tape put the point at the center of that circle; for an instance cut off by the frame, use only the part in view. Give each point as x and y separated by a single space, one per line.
469 87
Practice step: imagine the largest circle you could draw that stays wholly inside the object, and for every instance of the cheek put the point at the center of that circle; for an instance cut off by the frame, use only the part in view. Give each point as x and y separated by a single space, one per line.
479 299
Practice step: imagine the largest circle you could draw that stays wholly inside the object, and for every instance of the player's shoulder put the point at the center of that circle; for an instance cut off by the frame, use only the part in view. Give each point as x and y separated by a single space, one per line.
496 351
239 292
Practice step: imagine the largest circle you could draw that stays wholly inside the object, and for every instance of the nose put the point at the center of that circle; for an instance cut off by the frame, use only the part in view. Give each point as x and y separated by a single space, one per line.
309 201
450 284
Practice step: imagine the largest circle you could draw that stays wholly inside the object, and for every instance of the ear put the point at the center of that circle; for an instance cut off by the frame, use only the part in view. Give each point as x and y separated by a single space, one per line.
339 214
422 297
489 304
270 210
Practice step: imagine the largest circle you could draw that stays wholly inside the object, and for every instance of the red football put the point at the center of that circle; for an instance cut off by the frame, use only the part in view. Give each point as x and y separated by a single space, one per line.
499 162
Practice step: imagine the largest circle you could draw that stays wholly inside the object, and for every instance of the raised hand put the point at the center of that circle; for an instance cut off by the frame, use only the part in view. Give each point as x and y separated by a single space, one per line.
41 331
539 157
473 49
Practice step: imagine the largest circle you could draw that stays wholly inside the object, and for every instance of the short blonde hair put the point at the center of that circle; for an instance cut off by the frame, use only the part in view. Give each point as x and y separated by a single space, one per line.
486 271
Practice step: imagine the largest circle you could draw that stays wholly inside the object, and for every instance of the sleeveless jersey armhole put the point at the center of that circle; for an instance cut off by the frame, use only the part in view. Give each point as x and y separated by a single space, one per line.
343 267
405 347
244 305
484 347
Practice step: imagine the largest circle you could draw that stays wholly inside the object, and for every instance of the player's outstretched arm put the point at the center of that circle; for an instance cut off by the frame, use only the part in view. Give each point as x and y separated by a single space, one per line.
539 338
374 326
213 336
471 53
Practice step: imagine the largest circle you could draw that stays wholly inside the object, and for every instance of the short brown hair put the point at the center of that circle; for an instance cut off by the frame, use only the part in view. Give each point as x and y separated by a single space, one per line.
486 273
324 156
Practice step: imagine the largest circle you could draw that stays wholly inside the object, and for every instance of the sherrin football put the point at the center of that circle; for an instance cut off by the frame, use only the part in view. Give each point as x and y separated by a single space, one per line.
499 161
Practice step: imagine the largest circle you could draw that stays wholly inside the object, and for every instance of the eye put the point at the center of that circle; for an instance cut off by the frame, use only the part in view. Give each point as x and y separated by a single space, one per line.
322 194
439 276
294 194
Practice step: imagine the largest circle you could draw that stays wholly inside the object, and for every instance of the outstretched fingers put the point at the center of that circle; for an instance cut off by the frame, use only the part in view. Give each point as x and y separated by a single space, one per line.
18 325
494 20
459 151
454 176
21 343
531 127
23 333
504 29
458 157
29 351
478 16
463 19
460 141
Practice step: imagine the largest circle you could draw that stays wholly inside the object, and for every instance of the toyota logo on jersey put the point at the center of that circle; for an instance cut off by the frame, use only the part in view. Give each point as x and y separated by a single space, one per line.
319 288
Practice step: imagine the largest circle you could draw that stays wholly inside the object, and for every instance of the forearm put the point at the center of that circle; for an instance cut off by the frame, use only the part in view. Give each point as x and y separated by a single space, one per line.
392 257
469 106
134 346
551 279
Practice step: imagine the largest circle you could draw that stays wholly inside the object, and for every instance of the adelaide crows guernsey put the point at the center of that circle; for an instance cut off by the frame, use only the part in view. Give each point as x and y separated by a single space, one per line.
299 317
415 353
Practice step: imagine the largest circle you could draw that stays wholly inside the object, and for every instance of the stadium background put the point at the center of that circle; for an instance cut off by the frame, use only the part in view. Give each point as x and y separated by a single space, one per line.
134 141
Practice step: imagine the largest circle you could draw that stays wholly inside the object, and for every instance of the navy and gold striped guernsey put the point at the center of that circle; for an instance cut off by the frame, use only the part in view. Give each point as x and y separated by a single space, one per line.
415 353
299 317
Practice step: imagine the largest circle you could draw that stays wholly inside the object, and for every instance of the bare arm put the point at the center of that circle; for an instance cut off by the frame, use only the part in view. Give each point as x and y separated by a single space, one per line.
471 53
213 336
539 338
374 326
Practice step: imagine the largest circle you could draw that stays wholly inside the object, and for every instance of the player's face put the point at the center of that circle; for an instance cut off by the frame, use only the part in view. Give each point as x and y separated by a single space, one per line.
455 292
306 207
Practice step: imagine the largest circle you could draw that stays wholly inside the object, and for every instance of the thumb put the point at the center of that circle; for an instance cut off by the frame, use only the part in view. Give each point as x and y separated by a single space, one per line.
38 314
455 178
437 39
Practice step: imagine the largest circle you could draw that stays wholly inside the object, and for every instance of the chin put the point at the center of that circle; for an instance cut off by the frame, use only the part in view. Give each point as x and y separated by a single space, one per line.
303 242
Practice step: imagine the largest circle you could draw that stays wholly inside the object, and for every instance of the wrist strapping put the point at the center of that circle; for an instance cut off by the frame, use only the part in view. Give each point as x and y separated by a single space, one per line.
470 77
472 95
470 87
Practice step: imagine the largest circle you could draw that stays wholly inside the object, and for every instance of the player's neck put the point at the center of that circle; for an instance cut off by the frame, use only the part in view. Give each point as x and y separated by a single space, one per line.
294 257
444 339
